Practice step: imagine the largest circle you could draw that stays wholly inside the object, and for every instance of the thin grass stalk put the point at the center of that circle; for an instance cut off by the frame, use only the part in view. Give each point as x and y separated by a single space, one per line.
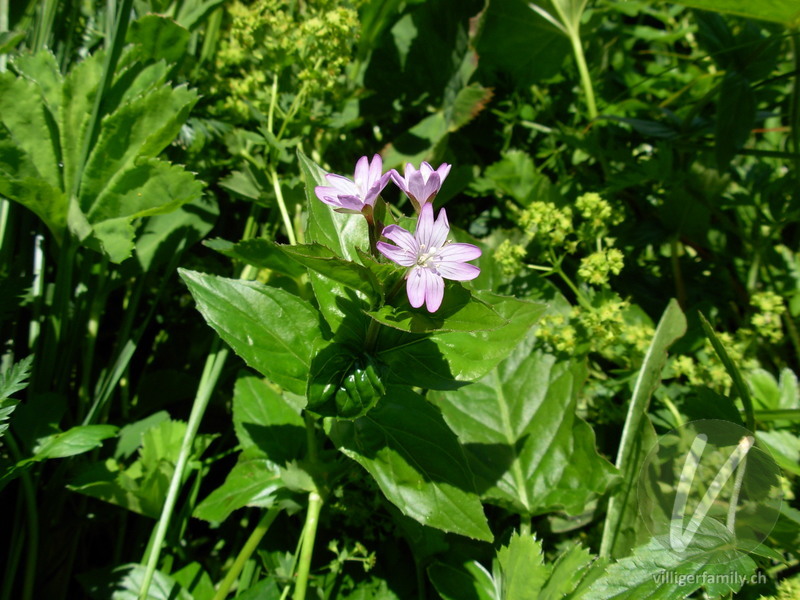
246 552
211 372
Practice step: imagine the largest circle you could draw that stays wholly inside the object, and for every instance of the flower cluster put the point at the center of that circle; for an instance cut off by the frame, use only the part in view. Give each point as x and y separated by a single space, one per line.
428 254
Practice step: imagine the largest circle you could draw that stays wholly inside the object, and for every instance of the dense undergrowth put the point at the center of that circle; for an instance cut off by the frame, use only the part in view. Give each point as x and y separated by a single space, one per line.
213 384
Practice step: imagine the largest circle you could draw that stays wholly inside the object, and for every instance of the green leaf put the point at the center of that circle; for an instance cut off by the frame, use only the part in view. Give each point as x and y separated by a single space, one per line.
262 417
163 236
785 12
253 481
520 569
447 361
739 385
460 311
656 571
152 187
196 581
74 441
343 384
77 101
325 262
130 436
125 583
469 581
31 125
417 462
260 253
271 329
159 37
638 435
529 450
9 40
517 42
14 379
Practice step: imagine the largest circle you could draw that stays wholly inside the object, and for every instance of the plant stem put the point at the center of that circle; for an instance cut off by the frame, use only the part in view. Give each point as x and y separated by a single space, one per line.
211 372
309 534
287 221
586 80
247 550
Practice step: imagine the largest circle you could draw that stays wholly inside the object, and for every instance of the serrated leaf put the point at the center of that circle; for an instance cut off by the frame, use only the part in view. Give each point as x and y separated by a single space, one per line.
14 379
656 571
528 448
417 462
519 568
264 419
271 329
253 481
152 187
31 125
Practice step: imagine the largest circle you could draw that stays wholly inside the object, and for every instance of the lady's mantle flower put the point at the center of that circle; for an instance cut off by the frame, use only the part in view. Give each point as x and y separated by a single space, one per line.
348 196
421 185
430 256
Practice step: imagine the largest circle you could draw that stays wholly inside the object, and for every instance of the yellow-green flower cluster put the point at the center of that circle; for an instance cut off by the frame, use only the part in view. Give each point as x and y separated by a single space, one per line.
558 333
509 256
767 321
547 222
313 41
596 267
706 369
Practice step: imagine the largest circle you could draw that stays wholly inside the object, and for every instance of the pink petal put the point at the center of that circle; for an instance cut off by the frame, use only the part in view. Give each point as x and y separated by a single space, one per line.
361 175
348 203
457 271
426 170
424 228
434 290
401 256
342 184
375 169
416 186
431 188
401 237
440 230
415 287
398 181
458 252
443 171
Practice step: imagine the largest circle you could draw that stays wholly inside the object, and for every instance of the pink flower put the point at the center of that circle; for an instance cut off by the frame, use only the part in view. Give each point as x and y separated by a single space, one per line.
352 195
430 256
423 185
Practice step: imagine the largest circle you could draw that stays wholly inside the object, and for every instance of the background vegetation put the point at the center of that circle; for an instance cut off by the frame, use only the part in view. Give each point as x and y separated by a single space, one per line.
607 156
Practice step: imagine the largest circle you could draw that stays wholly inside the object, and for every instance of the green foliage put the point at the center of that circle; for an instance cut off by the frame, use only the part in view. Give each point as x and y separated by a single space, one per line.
122 180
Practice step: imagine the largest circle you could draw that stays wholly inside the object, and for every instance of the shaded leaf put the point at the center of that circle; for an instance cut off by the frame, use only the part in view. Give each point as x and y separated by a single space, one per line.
417 462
